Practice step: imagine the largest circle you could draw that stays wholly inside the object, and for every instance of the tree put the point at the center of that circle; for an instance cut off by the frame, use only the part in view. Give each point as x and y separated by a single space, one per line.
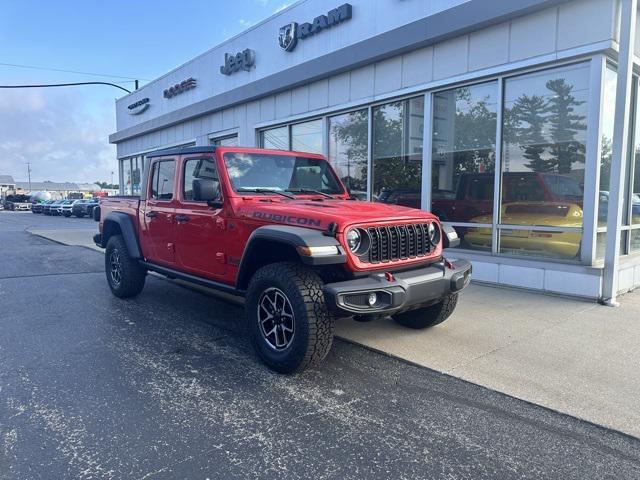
352 134
475 134
530 114
564 124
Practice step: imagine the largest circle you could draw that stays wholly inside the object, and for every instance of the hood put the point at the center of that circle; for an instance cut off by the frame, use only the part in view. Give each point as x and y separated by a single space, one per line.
319 214
545 214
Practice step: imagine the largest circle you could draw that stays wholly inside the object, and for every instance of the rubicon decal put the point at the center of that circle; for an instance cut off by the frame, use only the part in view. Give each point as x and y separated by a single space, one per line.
289 35
275 217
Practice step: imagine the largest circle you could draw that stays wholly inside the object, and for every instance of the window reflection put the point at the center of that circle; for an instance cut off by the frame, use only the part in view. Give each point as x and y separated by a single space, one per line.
397 152
228 141
348 150
126 177
275 138
544 137
307 136
463 156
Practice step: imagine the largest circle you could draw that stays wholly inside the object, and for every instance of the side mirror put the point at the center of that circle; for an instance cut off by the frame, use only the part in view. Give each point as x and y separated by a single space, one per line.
207 190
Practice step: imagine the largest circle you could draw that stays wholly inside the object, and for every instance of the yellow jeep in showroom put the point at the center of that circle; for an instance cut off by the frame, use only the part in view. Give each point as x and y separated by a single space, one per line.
538 242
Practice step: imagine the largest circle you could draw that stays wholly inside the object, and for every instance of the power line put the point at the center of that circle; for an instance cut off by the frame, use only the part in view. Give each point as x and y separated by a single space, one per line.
69 71
65 85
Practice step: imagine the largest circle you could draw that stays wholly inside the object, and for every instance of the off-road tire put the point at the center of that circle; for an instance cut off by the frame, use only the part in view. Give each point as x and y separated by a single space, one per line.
428 316
314 325
132 275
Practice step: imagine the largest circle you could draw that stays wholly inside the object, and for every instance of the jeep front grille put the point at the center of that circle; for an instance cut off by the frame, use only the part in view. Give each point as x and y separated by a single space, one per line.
397 242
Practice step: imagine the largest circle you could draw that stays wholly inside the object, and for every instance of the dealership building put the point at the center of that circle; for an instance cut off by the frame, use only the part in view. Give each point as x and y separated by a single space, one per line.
505 118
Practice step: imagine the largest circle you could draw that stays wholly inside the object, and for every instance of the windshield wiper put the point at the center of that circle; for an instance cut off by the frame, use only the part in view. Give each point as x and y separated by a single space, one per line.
309 190
264 190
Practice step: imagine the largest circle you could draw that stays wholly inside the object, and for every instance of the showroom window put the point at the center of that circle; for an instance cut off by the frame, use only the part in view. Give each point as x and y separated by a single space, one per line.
307 136
301 137
630 224
397 152
275 138
633 174
226 141
464 160
349 150
544 129
538 188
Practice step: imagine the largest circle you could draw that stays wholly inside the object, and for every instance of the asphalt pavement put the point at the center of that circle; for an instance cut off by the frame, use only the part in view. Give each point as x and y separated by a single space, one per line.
166 386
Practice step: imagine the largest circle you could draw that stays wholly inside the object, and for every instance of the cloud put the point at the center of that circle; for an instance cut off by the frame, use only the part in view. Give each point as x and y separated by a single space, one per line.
246 23
61 133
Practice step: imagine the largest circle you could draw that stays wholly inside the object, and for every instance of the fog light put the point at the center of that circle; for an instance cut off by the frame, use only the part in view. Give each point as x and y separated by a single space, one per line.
373 298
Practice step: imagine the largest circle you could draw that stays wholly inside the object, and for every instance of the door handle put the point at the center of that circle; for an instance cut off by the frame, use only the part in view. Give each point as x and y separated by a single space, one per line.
151 214
182 218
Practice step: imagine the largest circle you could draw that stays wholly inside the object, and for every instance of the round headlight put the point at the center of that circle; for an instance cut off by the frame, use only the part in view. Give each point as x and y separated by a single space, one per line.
353 239
434 233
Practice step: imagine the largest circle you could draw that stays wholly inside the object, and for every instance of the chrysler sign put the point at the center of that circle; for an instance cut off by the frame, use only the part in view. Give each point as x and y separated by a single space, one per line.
138 107
290 34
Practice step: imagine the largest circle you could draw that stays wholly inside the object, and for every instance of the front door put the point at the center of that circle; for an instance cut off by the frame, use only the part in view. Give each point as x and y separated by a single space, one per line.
159 228
199 227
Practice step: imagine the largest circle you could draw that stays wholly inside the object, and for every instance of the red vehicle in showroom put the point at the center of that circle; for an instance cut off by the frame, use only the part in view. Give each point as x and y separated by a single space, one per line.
279 229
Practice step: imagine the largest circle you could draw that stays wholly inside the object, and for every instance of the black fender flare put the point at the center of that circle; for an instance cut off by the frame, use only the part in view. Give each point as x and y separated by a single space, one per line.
128 232
291 237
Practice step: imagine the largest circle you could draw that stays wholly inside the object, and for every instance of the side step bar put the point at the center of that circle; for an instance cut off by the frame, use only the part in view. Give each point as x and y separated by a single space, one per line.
205 282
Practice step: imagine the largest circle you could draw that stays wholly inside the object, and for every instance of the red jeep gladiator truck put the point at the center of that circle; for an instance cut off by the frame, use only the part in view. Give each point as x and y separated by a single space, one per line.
279 229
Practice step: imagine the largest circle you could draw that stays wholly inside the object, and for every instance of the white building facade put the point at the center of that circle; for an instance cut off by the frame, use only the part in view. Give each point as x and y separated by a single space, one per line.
498 116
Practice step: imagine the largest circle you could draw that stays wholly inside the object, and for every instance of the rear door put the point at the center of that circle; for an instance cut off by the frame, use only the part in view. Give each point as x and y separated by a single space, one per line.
199 227
158 214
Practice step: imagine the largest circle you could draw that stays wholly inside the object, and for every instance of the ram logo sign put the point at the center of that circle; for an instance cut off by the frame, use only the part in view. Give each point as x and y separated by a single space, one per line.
289 35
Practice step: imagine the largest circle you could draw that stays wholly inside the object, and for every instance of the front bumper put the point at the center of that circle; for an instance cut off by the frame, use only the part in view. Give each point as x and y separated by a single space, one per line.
399 292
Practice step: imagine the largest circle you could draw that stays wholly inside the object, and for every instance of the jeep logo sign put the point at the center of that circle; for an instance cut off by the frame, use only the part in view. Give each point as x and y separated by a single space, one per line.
178 88
289 35
240 61
138 107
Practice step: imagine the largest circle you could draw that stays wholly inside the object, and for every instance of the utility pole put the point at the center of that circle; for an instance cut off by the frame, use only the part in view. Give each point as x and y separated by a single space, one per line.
29 174
112 177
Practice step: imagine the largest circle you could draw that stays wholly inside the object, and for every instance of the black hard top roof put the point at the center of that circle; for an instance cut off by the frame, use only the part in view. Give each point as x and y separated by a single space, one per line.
181 151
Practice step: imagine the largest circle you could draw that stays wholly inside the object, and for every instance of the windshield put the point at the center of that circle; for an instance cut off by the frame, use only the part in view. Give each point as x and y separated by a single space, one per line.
564 187
280 173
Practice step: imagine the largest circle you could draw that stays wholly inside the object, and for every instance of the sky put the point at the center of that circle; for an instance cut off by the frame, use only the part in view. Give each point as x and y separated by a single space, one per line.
63 132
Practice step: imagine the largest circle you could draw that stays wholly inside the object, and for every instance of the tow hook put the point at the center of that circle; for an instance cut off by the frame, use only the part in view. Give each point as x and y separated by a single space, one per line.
448 264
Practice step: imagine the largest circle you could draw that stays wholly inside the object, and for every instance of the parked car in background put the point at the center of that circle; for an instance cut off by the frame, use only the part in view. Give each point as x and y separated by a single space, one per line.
84 207
37 207
91 205
17 202
66 207
54 208
46 207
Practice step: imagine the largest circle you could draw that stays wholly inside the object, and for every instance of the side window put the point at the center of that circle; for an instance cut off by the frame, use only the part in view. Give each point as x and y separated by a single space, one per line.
197 168
154 180
162 180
